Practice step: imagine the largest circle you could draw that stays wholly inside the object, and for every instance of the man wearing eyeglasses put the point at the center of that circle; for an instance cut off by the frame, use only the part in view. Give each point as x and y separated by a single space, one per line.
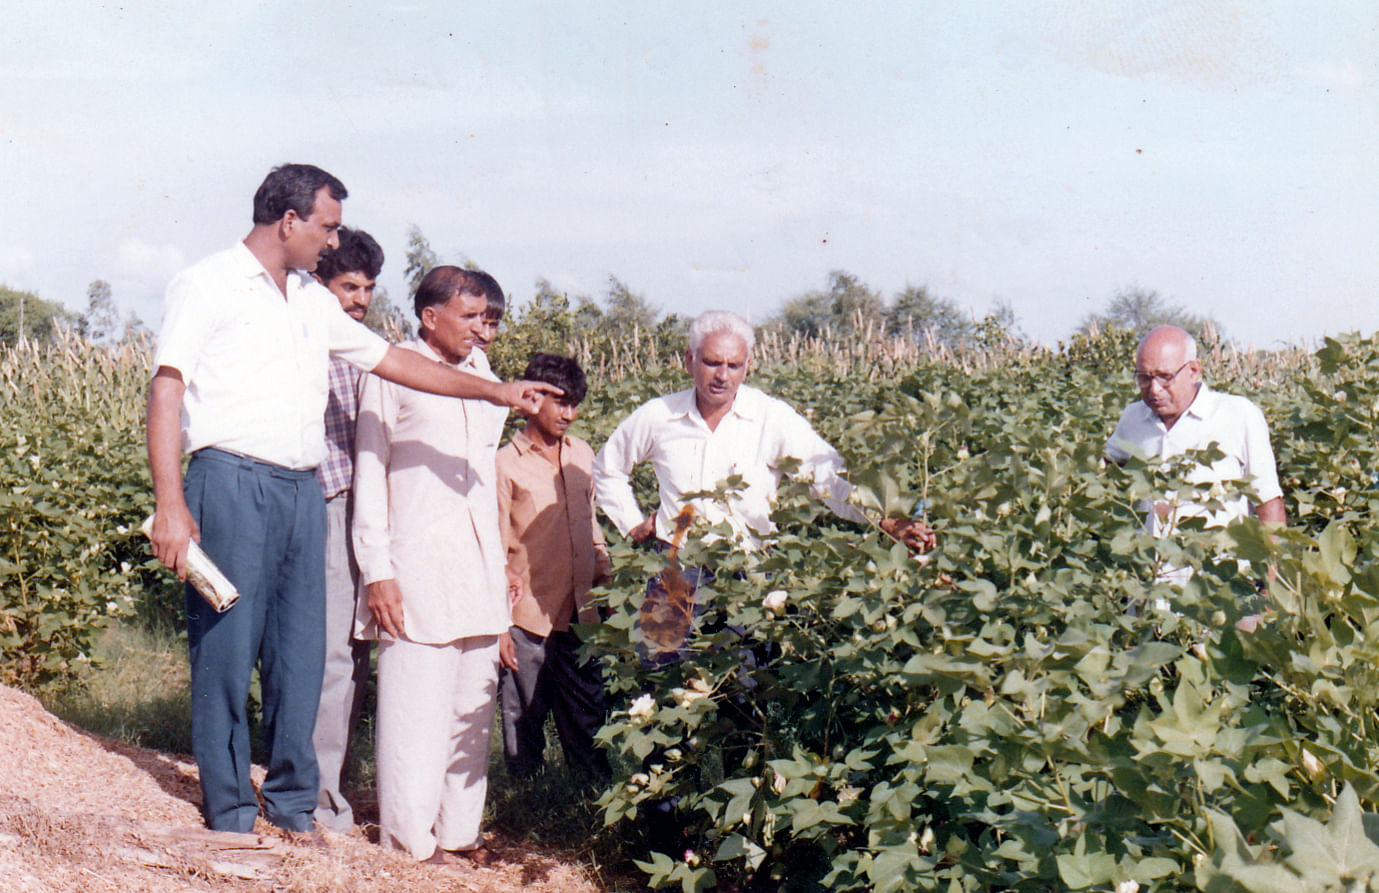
1176 413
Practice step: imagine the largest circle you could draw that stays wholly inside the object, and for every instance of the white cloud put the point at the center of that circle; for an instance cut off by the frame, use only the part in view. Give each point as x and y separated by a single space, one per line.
147 263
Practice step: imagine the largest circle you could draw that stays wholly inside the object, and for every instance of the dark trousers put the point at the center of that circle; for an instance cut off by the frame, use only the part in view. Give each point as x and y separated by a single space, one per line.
550 679
264 526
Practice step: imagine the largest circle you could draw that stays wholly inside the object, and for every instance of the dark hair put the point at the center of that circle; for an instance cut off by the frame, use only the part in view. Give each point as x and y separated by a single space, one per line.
493 294
358 253
444 282
293 187
563 372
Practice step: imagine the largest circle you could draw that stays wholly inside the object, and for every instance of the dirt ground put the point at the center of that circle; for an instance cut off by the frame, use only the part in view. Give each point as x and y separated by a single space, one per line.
81 813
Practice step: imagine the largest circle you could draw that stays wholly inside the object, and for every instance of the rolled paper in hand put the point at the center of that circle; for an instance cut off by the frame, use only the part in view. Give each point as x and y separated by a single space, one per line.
202 573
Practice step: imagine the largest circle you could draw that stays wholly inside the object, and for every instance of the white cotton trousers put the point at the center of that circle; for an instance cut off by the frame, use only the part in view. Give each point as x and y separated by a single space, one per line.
435 719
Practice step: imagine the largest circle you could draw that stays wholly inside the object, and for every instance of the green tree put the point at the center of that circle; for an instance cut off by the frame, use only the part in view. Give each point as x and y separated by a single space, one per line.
421 258
1136 310
625 310
388 319
915 312
1000 327
25 312
101 321
847 306
544 324
588 314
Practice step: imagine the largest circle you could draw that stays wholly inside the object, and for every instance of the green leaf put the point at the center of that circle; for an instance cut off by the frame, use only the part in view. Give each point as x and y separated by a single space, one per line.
1337 852
888 867
1082 870
947 764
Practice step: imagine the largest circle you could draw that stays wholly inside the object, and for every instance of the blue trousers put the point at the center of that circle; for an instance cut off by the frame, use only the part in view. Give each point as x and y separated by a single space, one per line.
264 526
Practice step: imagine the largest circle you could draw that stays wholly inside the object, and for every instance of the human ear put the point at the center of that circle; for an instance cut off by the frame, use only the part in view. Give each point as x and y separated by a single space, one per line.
289 222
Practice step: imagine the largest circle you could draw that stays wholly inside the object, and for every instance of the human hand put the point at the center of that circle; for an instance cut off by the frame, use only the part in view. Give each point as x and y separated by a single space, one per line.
643 531
514 586
916 535
525 395
385 603
507 652
173 529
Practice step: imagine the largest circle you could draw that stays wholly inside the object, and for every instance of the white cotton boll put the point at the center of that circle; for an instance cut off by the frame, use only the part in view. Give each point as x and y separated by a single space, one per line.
642 706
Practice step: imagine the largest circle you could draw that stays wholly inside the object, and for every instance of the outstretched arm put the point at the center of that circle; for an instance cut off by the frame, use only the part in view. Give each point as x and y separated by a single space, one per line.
822 462
411 369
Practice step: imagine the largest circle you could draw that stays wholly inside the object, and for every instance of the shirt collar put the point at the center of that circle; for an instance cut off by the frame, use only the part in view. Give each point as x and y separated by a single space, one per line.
420 346
250 266
746 404
1202 404
524 443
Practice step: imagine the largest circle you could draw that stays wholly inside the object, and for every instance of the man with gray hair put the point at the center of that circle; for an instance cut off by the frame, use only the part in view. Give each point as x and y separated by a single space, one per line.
695 439
721 427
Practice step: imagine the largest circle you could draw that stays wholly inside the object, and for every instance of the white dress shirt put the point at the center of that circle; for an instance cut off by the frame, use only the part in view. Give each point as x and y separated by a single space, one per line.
1233 422
757 432
255 363
426 508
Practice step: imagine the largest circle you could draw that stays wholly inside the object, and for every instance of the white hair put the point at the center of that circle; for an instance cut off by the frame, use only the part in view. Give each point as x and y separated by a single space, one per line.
711 322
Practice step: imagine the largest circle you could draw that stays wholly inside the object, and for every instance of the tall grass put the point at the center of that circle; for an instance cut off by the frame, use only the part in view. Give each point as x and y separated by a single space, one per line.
136 692
69 372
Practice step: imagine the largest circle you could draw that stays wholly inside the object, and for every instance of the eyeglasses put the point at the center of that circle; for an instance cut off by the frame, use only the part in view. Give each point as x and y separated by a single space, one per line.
1163 379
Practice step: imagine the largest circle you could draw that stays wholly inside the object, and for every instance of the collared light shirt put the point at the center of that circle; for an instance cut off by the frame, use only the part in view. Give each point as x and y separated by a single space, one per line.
750 440
254 361
336 471
426 509
1235 423
553 540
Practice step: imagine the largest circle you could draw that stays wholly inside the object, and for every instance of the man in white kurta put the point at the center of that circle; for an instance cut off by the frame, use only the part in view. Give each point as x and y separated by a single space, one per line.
430 553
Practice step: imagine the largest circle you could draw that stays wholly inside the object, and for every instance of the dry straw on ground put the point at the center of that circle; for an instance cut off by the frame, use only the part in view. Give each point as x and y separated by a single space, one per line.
81 813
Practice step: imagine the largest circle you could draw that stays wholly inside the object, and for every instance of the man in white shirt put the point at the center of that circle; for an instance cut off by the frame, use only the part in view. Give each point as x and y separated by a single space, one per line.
697 438
1177 412
430 552
240 383
719 428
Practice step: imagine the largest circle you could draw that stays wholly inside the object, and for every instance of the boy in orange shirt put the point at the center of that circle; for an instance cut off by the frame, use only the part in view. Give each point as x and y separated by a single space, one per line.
555 553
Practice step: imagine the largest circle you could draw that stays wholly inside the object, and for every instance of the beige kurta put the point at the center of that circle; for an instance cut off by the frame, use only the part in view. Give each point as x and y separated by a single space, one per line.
426 514
426 508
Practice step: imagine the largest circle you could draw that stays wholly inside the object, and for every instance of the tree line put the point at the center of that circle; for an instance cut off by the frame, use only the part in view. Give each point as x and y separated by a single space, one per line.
846 307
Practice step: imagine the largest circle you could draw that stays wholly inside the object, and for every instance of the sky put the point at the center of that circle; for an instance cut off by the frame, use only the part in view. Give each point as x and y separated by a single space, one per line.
724 154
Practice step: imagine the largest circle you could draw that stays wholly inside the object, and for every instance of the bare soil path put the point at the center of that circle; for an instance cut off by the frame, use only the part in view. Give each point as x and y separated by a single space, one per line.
82 813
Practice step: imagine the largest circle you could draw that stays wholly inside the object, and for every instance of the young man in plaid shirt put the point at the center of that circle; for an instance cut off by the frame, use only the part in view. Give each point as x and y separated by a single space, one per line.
350 273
